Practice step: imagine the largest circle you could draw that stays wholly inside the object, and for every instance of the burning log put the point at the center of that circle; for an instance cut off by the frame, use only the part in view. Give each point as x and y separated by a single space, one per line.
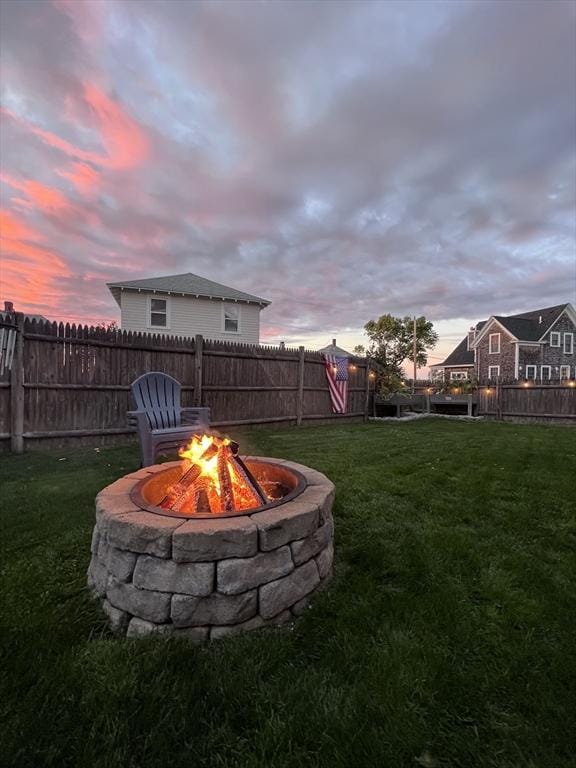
226 490
216 482
201 500
193 473
250 482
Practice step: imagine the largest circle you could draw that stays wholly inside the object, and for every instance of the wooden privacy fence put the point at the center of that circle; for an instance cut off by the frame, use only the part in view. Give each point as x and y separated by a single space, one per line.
72 382
526 400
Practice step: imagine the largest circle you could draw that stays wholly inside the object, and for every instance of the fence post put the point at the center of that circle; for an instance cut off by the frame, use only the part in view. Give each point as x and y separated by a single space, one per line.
498 400
367 396
470 413
17 389
300 396
198 349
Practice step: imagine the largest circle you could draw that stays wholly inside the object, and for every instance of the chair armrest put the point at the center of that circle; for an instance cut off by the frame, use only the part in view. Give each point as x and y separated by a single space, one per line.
139 420
193 416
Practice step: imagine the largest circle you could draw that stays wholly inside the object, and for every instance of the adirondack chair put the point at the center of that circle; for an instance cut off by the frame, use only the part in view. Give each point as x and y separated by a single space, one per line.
161 421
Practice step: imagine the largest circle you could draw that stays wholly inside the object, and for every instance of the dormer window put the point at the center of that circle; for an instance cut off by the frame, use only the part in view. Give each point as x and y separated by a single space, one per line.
494 344
231 318
158 313
554 339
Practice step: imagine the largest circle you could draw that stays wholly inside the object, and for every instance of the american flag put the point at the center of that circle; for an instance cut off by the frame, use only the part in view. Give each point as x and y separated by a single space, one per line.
337 374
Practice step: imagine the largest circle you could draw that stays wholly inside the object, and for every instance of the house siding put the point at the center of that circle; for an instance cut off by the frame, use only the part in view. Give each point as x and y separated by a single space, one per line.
555 356
188 316
505 358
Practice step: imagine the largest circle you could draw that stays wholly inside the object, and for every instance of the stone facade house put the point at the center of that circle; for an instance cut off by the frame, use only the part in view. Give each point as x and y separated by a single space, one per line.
186 305
539 345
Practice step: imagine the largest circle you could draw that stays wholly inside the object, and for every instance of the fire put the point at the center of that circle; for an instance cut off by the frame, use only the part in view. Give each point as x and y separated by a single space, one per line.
214 479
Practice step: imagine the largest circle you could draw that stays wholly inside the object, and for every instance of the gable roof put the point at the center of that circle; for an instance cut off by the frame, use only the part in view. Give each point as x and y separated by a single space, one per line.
461 355
334 350
527 326
187 284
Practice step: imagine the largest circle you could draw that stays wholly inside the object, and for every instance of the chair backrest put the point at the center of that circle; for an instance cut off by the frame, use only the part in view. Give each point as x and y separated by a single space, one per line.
159 395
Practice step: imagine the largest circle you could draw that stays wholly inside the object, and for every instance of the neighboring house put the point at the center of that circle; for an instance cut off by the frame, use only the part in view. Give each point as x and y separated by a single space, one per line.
9 313
537 345
186 305
336 351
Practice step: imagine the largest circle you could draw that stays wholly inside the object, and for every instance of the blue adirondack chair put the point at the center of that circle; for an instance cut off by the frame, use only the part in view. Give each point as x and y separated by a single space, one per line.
161 421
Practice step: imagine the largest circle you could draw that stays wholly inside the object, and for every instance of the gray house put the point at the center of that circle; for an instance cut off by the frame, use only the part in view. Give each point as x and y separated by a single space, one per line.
186 305
538 345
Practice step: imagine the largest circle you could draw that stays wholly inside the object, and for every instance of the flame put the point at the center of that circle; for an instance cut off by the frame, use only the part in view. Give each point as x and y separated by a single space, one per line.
193 454
208 457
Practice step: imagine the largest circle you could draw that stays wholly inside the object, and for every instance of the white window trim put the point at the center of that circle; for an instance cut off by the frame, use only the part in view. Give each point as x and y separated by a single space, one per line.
496 375
490 350
458 375
238 307
542 368
567 369
535 369
558 336
571 337
149 313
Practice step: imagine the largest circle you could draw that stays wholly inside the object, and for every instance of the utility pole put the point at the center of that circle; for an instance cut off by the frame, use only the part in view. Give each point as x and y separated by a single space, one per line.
414 354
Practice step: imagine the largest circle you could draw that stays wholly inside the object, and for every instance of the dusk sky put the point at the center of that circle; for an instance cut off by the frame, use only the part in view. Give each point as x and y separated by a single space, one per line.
342 159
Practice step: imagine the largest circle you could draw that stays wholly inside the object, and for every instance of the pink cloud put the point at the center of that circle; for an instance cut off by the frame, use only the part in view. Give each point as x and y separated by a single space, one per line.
84 177
126 143
39 195
30 272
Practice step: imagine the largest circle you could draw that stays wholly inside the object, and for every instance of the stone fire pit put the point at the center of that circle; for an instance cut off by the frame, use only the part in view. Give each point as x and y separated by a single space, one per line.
207 578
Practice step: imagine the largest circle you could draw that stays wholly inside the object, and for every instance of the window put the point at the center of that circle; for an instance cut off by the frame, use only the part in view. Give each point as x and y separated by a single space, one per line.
564 372
458 375
531 371
555 339
231 318
494 344
158 315
568 343
545 372
493 370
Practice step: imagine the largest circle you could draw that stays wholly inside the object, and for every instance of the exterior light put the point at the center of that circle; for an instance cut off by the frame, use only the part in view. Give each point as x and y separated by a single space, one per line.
488 390
372 375
526 383
352 367
572 383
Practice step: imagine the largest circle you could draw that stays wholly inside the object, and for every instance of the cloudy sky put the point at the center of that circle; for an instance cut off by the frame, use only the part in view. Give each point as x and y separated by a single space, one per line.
342 159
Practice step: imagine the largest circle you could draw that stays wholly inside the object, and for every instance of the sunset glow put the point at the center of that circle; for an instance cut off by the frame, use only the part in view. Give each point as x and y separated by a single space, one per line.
344 159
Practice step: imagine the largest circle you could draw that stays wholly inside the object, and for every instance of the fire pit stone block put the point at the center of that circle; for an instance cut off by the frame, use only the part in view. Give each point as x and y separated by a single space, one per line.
304 549
240 574
283 593
293 520
324 561
208 578
216 609
117 619
152 606
169 576
202 540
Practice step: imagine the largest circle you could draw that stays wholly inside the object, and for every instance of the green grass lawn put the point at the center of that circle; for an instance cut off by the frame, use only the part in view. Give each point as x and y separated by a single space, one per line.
446 638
